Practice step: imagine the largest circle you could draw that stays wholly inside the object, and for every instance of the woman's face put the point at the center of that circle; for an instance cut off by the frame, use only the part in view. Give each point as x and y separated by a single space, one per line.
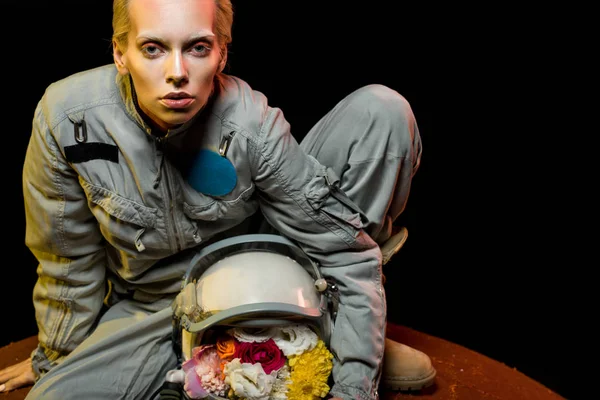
172 56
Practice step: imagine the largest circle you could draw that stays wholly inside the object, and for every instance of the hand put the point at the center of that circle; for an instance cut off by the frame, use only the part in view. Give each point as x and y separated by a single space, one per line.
16 376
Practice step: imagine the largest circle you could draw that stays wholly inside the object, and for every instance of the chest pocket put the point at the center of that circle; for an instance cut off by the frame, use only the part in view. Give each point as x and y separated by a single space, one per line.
215 208
122 221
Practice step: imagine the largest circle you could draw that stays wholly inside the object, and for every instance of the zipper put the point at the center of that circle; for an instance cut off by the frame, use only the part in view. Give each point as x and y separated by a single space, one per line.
59 328
139 245
80 134
341 197
224 145
172 224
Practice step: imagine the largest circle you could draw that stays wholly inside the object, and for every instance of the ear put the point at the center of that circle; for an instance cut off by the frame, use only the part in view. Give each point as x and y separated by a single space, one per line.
119 58
223 62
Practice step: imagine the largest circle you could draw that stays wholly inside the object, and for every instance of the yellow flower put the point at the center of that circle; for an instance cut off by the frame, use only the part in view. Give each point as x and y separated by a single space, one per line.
309 373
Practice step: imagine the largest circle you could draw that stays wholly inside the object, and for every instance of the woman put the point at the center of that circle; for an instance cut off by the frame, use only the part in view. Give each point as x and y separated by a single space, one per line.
131 167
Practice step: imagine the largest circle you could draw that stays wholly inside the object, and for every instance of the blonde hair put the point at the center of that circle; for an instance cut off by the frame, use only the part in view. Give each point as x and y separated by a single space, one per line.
121 23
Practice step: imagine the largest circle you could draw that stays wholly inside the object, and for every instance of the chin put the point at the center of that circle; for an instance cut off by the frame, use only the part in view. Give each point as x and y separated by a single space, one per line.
174 121
178 121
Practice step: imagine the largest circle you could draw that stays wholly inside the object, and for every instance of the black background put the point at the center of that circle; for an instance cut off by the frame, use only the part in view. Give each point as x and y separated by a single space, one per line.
486 264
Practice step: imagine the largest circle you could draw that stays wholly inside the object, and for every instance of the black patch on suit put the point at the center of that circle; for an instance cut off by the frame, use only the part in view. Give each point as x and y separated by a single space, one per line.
83 152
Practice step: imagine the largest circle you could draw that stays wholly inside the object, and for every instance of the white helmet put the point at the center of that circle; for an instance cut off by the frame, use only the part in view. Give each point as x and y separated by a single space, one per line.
251 281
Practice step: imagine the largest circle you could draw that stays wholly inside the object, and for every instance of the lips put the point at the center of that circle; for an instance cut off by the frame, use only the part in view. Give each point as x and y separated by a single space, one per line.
178 95
177 100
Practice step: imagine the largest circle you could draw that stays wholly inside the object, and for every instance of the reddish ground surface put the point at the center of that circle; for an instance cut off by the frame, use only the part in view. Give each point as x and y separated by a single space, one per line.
462 374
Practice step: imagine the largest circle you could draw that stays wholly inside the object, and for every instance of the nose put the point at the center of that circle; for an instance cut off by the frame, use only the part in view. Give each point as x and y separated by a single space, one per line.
177 73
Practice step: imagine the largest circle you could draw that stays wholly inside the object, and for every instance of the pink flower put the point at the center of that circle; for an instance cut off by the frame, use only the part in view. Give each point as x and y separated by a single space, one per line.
203 373
265 353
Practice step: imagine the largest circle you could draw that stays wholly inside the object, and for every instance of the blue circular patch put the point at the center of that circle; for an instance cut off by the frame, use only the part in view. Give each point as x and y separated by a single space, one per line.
212 174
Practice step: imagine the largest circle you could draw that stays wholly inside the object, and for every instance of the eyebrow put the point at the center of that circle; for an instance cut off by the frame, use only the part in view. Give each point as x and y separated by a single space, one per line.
190 41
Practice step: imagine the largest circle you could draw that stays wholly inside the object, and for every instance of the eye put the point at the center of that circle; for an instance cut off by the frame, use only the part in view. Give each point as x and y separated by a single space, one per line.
151 50
200 49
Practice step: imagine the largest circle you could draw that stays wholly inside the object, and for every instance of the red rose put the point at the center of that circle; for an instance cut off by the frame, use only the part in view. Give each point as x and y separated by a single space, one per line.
266 354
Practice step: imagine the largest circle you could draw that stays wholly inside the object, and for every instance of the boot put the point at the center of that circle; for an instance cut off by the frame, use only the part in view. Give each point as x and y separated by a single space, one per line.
393 244
405 368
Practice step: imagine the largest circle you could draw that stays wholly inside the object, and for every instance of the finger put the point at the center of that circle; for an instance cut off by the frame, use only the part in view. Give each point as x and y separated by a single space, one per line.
18 382
12 371
16 370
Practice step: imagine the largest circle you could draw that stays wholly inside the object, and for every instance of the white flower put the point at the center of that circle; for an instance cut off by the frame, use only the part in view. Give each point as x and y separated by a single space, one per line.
249 381
280 387
296 339
251 335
